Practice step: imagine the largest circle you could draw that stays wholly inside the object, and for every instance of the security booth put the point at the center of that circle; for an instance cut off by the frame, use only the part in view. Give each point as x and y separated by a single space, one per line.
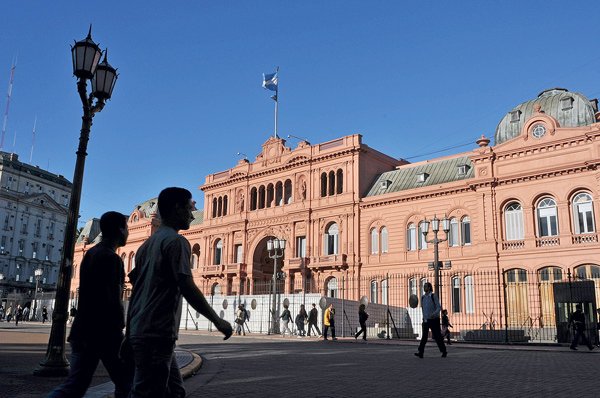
566 296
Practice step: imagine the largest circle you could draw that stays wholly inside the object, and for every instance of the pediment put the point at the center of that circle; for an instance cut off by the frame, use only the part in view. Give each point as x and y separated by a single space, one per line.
272 151
43 200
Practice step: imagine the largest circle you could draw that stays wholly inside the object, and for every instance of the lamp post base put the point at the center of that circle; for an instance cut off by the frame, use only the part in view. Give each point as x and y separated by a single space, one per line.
52 368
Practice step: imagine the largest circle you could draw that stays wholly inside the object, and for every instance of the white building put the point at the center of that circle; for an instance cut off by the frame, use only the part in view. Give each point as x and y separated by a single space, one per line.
33 213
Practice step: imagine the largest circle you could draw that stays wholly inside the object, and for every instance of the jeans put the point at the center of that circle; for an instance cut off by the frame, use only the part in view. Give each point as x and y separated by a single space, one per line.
84 361
286 327
580 334
326 328
434 326
156 371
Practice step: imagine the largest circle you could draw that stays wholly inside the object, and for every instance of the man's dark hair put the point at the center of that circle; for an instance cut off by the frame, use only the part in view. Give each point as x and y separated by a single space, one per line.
111 222
169 197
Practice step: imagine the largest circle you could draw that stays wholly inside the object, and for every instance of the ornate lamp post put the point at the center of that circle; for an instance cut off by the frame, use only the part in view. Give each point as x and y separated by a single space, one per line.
38 275
435 227
275 248
86 56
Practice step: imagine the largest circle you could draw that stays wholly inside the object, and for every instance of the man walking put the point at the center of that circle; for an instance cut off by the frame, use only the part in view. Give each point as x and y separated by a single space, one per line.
431 321
577 320
329 322
313 315
97 330
161 276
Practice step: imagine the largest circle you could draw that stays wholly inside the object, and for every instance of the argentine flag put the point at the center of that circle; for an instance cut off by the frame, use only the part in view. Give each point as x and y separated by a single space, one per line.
270 81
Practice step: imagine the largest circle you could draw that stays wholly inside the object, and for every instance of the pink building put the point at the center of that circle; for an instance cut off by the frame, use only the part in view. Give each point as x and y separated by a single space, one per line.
523 208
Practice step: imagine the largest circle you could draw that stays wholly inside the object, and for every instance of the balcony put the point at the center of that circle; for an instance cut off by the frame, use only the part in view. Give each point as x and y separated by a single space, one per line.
513 245
298 263
332 261
547 241
585 239
238 269
208 271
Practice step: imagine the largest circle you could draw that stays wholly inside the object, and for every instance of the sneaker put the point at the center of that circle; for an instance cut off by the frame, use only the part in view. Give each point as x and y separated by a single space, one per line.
418 354
591 347
444 354
335 338
573 348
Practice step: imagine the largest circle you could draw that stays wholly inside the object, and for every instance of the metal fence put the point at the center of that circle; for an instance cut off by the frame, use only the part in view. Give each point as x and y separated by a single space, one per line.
506 306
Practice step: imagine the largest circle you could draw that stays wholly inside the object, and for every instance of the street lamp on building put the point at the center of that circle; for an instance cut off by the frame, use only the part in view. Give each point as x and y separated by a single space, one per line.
275 249
435 227
1 288
86 66
38 275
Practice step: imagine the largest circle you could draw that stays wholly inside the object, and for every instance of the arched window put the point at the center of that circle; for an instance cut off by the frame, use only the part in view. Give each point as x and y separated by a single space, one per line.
453 233
465 231
547 217
214 207
220 206
261 197
323 185
456 294
384 240
412 287
253 198
195 256
278 193
215 290
225 205
422 286
469 295
374 241
332 240
587 271
422 239
374 292
270 195
131 261
218 252
339 183
517 303
411 237
332 288
513 218
287 193
384 292
583 213
331 183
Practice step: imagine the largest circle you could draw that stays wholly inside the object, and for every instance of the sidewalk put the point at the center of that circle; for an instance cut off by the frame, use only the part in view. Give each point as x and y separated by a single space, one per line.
23 347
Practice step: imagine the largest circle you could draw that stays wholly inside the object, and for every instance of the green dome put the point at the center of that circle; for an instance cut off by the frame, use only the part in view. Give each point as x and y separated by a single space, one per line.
570 109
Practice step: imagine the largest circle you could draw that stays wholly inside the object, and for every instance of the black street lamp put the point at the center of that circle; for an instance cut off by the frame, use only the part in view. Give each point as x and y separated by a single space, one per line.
86 56
435 227
275 249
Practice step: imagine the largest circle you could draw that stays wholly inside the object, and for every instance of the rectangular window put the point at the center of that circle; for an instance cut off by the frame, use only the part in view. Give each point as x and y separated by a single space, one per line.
51 231
466 232
21 246
6 218
301 246
411 238
38 228
455 295
453 233
49 252
24 225
514 225
35 249
469 298
238 254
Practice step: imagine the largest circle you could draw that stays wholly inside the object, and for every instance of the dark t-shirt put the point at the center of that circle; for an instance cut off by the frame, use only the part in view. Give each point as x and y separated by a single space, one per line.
155 306
100 309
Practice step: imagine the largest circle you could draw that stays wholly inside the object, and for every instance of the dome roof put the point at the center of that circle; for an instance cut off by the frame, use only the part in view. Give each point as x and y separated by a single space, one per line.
570 109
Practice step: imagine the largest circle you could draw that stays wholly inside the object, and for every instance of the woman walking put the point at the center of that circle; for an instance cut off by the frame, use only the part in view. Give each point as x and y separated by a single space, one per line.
300 320
362 320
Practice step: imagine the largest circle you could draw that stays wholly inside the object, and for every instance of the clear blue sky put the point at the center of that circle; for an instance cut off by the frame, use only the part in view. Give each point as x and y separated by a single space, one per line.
411 77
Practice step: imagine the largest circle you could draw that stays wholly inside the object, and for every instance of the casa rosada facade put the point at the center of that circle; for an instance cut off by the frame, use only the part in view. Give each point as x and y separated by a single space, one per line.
348 212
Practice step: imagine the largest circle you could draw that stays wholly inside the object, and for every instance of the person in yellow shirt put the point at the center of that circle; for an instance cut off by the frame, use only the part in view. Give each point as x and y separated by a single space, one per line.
329 322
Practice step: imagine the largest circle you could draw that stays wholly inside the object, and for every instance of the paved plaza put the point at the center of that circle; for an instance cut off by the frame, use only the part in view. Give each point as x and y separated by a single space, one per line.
260 366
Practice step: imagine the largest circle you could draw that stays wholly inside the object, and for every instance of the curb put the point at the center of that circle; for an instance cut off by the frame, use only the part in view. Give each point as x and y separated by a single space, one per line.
191 368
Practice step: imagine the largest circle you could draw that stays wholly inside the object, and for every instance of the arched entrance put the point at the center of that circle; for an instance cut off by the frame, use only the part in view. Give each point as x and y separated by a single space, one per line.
263 267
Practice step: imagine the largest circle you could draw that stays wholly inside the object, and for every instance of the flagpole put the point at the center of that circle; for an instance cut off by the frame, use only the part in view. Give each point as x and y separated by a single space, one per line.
277 101
276 111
